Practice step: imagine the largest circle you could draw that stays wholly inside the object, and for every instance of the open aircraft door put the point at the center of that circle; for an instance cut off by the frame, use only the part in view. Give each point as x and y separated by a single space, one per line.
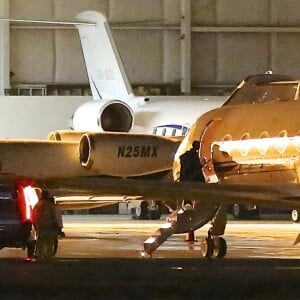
205 151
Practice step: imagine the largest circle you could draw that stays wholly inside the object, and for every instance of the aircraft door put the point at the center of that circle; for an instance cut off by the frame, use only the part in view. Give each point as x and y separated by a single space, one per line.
205 151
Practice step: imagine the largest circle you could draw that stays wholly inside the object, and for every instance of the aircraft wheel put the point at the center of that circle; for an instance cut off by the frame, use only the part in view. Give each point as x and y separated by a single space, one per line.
237 211
295 216
141 212
220 247
207 247
156 214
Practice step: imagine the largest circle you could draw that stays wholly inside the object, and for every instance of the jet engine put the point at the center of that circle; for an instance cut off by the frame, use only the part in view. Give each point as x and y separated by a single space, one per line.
103 115
121 154
65 136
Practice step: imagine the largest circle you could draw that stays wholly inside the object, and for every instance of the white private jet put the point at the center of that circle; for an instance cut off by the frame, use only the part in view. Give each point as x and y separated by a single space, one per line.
114 106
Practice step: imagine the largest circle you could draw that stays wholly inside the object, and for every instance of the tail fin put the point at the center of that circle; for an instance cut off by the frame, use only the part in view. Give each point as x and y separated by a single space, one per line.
106 73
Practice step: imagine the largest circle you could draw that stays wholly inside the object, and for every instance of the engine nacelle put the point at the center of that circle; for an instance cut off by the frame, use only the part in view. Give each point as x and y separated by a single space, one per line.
65 135
120 154
103 115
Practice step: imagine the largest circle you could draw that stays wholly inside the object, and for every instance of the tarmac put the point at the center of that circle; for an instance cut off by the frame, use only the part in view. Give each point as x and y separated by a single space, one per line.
100 259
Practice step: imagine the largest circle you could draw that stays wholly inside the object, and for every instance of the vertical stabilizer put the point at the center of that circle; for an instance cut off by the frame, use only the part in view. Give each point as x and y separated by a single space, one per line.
106 72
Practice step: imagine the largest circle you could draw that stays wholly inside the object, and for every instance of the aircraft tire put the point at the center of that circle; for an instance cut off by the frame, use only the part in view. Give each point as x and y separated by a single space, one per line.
141 212
237 211
156 214
207 247
220 247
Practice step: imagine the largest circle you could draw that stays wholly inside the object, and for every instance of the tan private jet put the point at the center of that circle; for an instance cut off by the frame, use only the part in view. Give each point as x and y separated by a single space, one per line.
249 152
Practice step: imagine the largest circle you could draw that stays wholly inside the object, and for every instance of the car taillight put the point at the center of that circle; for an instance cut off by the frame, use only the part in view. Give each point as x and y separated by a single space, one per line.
27 198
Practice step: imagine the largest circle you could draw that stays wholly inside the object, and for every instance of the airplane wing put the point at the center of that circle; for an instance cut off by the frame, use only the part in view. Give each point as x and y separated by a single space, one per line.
276 195
74 202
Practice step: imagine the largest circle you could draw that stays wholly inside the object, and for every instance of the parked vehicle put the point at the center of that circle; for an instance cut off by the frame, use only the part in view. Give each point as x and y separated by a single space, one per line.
243 211
16 230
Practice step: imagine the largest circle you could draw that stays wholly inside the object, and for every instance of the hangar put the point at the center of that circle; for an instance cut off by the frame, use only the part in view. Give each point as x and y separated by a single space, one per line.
198 47
189 46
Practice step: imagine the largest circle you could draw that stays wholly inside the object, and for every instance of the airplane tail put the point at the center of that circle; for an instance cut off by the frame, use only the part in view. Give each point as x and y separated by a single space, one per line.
106 73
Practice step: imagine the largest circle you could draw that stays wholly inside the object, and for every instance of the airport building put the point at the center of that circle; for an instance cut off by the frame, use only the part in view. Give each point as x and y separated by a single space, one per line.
179 46
199 47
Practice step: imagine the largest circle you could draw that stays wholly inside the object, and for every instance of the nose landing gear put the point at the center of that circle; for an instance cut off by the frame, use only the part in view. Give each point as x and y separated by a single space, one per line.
213 246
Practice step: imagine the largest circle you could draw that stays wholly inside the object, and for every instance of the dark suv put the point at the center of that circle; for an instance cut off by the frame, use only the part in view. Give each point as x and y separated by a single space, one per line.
15 228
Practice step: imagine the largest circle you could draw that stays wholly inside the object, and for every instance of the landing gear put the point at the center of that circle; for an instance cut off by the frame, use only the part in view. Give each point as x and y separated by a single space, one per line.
213 246
141 212
207 247
148 210
220 247
186 219
190 236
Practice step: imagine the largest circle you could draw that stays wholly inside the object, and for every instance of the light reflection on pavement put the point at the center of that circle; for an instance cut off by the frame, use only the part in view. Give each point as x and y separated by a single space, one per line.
104 236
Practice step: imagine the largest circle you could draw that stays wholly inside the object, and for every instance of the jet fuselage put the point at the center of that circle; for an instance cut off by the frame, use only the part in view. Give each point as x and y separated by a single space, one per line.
248 143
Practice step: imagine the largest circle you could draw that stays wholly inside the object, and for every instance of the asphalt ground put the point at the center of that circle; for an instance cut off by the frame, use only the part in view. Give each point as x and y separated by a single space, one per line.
99 259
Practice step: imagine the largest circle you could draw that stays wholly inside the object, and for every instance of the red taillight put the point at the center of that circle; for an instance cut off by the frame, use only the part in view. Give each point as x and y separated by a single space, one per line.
27 198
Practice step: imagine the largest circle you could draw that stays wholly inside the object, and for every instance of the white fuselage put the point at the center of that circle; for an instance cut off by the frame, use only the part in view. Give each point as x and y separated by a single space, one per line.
144 114
169 111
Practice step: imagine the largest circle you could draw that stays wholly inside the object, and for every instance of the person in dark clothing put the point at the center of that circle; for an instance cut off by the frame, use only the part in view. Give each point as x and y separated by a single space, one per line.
45 222
190 166
191 170
59 221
